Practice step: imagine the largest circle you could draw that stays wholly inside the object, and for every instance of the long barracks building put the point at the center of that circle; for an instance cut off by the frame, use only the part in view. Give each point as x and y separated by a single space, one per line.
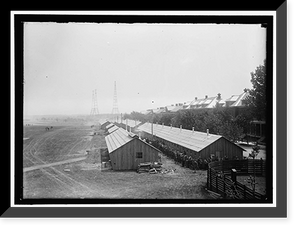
192 143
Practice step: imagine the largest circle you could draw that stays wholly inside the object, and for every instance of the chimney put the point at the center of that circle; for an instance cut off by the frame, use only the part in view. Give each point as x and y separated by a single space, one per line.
171 126
162 124
219 96
196 98
126 124
206 97
193 129
207 132
180 128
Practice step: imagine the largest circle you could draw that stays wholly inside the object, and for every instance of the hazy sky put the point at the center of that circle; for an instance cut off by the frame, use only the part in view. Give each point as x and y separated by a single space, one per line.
167 63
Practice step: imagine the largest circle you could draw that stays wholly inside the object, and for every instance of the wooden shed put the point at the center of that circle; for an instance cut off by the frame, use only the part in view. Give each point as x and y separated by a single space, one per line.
127 151
193 143
104 124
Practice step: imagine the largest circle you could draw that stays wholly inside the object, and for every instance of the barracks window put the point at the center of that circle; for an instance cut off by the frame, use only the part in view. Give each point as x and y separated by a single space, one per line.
139 155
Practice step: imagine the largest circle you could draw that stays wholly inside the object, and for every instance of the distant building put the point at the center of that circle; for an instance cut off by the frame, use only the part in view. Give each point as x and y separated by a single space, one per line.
128 124
206 102
146 112
174 107
237 100
104 124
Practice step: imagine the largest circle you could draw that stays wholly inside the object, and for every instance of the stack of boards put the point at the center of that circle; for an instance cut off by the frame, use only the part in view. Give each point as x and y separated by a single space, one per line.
152 168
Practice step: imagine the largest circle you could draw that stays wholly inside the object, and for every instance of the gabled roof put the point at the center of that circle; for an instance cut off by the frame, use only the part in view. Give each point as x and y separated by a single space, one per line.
208 102
117 139
104 123
192 140
121 137
109 125
174 108
131 123
233 98
146 112
239 101
112 129
186 104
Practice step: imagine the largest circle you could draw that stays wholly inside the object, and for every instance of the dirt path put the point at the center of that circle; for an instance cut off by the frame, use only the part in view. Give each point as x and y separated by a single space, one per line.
51 180
35 167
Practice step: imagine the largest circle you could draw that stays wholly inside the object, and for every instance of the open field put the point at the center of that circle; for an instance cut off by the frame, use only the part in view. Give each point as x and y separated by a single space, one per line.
61 178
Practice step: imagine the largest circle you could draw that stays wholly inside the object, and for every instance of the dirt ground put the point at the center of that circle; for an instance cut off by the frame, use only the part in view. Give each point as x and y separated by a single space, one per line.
88 178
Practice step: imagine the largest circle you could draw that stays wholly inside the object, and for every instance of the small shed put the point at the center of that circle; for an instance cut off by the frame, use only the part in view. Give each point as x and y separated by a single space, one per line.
128 124
127 151
112 129
193 143
104 124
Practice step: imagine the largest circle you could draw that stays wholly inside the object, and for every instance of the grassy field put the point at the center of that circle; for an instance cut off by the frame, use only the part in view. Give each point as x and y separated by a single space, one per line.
86 179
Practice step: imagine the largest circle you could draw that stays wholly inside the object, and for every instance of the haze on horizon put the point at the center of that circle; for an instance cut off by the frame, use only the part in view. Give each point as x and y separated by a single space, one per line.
164 63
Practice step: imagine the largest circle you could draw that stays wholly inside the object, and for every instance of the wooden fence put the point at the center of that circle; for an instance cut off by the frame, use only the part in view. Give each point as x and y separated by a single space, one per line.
220 178
246 166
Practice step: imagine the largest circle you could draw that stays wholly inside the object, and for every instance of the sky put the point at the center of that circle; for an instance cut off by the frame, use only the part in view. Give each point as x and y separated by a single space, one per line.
154 65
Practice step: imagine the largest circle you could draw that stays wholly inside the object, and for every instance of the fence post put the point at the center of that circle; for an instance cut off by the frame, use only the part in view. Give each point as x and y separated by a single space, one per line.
208 181
224 188
209 178
222 166
233 175
217 183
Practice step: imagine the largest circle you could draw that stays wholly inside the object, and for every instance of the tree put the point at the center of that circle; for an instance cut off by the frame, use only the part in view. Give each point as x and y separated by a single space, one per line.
257 96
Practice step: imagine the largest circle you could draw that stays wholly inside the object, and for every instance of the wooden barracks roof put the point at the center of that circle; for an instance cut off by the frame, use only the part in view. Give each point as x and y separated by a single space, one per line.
121 137
117 139
192 140
112 129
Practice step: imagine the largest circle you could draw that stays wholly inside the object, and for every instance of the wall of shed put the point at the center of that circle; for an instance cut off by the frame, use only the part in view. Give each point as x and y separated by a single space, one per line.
224 147
124 158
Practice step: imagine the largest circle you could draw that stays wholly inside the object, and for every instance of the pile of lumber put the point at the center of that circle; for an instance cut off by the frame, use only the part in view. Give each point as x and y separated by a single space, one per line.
150 167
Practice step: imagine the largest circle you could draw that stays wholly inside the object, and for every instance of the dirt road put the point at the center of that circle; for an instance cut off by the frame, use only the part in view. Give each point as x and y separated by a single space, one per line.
35 167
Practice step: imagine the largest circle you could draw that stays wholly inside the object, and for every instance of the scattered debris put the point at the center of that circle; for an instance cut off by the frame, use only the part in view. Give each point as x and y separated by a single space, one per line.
151 167
154 168
166 171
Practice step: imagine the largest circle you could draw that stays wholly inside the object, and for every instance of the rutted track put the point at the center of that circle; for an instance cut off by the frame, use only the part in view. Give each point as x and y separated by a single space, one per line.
33 153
